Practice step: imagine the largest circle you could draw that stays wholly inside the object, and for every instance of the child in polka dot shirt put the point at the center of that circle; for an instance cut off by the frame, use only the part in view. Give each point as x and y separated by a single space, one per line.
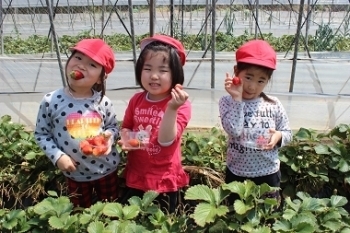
71 114
247 112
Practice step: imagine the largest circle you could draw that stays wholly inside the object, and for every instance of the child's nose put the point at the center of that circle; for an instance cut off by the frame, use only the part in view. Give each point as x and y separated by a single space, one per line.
154 76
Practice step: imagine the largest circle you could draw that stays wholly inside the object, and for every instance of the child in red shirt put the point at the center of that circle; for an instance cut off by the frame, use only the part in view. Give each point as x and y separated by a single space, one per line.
162 112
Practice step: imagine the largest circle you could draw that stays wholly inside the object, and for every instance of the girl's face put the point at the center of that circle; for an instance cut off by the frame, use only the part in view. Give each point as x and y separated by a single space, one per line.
88 67
156 75
254 82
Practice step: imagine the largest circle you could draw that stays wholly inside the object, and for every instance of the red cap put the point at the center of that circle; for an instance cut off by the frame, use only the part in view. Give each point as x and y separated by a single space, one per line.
169 41
257 52
98 51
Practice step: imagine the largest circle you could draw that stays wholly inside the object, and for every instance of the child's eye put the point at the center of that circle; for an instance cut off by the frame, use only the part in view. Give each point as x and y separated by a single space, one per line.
78 57
93 65
164 71
146 69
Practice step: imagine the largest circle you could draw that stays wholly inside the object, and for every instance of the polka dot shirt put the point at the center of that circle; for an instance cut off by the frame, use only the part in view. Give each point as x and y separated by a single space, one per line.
244 122
63 121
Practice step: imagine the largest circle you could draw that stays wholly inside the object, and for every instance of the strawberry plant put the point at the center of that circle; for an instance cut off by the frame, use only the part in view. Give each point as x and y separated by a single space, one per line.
25 171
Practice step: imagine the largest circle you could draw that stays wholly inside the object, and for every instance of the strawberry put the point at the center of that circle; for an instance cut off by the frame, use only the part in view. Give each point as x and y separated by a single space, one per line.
75 74
99 150
99 140
134 142
85 147
236 81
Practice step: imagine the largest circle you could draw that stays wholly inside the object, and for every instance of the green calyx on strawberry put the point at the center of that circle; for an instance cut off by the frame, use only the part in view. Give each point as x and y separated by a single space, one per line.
76 74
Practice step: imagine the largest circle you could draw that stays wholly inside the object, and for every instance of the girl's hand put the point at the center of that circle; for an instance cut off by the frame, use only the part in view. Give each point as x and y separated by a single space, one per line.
234 90
66 164
108 134
179 97
276 136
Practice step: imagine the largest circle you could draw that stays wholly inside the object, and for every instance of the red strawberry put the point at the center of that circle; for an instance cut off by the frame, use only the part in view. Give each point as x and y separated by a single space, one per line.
75 74
236 81
99 150
99 140
85 147
134 142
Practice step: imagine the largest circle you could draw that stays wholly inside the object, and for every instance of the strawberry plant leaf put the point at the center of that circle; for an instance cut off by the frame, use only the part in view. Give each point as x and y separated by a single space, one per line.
96 227
130 212
321 149
201 192
30 155
113 210
282 226
204 213
149 197
338 201
242 208
343 165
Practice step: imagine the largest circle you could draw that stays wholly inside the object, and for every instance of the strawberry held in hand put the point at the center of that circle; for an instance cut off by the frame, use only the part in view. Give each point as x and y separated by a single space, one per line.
236 81
76 74
97 145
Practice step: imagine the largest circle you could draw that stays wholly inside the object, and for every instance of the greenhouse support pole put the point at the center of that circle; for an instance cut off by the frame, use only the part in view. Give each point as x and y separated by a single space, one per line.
1 30
152 13
132 29
102 18
54 36
296 45
256 18
171 18
213 44
206 23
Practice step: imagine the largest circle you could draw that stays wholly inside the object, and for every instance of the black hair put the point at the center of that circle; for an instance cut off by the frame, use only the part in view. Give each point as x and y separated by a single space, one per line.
244 66
97 87
174 62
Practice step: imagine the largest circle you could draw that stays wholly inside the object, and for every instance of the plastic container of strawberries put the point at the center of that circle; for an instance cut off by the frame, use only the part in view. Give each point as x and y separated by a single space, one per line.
98 145
134 140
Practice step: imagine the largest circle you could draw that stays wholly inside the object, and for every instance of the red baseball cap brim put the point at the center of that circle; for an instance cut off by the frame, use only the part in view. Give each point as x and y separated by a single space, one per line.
166 40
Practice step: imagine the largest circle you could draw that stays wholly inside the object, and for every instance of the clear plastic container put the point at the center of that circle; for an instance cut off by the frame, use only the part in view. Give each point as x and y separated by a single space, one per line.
134 140
96 146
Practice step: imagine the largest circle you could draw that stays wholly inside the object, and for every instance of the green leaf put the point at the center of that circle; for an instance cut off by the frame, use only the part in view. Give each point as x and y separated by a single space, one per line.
242 208
235 187
303 134
149 197
322 149
96 227
343 166
113 210
333 225
200 192
338 201
206 213
335 149
130 212
12 219
282 226
30 155
304 228
331 215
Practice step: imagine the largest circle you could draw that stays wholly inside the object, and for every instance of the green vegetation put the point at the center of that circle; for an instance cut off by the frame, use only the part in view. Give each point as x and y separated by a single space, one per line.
315 190
325 39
